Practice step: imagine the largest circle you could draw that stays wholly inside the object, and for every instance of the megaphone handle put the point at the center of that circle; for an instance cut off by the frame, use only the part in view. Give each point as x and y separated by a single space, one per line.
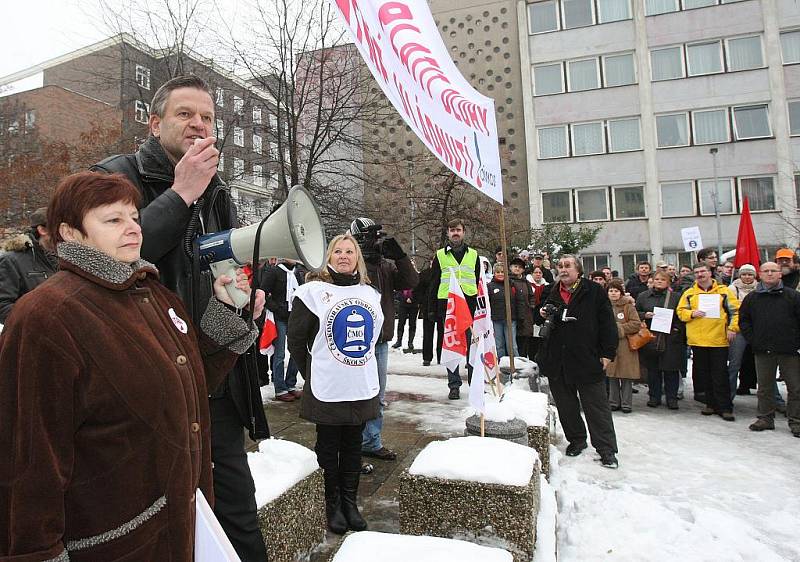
228 267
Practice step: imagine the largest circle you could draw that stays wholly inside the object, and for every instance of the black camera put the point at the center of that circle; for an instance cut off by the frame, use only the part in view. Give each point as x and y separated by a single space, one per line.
370 239
547 327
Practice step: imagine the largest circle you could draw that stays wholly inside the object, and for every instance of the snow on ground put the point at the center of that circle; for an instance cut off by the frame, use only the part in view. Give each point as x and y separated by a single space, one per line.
477 459
277 466
358 547
689 487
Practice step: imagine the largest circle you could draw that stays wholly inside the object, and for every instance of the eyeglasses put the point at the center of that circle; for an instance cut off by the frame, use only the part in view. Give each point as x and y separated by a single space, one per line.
770 271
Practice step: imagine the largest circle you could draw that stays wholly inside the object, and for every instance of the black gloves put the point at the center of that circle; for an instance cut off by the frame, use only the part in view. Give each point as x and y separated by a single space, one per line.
391 249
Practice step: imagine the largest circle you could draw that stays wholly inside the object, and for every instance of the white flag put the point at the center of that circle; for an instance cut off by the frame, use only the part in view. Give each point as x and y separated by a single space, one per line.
457 321
483 353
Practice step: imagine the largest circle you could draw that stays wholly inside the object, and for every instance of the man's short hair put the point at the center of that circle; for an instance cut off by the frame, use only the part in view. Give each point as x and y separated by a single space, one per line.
159 103
701 265
597 273
704 253
578 263
647 263
453 223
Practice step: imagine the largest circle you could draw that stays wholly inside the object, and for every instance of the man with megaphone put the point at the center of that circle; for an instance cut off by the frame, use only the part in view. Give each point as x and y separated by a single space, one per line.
183 197
390 269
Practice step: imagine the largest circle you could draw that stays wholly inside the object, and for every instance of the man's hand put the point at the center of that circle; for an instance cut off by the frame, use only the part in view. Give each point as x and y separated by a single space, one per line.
605 361
648 314
731 336
196 169
391 249
543 313
698 314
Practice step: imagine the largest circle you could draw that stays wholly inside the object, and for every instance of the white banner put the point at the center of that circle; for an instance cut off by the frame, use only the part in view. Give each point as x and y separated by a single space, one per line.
401 45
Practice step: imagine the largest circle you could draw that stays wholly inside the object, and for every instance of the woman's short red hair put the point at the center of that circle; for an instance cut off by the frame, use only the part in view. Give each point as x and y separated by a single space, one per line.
79 193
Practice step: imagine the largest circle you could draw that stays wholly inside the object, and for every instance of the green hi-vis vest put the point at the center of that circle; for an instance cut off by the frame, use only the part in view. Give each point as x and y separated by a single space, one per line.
465 272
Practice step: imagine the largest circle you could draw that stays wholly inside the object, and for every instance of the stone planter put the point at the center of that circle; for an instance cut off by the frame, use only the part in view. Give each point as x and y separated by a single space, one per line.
498 514
539 439
293 524
359 547
514 430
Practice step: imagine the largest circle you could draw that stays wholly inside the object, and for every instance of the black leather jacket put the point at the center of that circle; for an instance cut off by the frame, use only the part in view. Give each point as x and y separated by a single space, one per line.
166 223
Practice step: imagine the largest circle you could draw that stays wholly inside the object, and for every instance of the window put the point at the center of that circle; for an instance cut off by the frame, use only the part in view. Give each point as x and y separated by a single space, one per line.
238 105
221 165
704 58
594 262
220 97
629 262
794 118
689 4
710 126
220 126
273 150
725 194
587 138
613 10
256 116
655 7
273 122
667 63
672 130
143 76
548 79
258 175
679 259
582 75
556 206
543 16
238 136
760 192
238 168
623 135
790 46
553 142
751 122
619 70
797 189
744 53
577 13
629 202
142 111
677 199
256 144
30 119
592 204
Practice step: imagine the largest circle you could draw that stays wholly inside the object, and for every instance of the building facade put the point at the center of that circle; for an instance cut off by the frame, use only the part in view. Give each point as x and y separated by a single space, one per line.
636 110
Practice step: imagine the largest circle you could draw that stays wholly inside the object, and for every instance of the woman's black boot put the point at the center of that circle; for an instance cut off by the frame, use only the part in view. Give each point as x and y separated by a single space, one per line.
333 504
349 497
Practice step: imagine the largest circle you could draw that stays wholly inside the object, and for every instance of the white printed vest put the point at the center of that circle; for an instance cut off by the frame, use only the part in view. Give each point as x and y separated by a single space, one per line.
343 365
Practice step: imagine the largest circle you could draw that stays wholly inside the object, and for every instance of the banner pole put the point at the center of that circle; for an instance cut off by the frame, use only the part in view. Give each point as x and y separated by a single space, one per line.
483 420
506 291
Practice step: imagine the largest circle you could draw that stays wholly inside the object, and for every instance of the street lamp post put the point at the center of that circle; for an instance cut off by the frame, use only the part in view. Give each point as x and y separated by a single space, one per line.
413 211
715 196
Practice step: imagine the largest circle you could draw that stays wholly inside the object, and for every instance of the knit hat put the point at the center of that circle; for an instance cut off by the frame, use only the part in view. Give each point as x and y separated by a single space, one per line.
359 226
39 217
747 268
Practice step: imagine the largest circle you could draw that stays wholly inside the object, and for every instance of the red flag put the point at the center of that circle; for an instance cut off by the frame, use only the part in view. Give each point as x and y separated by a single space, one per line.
268 335
746 245
457 321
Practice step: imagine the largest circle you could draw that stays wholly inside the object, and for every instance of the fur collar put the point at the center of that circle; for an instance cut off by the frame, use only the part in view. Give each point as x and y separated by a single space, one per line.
94 264
19 243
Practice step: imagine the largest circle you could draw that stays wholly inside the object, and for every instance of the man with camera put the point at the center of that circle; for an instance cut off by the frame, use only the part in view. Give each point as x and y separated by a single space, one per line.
183 197
389 269
461 260
580 340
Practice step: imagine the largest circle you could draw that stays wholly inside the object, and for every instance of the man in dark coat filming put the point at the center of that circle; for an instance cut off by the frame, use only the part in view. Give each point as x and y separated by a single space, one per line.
183 197
581 341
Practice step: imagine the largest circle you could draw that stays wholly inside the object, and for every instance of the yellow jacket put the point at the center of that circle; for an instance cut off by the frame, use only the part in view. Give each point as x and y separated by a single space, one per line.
709 332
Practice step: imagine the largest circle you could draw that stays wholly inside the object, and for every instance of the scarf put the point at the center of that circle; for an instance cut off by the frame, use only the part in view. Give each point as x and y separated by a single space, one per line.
291 284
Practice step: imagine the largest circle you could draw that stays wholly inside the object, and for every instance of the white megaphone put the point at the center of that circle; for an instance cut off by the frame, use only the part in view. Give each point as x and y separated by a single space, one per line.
294 232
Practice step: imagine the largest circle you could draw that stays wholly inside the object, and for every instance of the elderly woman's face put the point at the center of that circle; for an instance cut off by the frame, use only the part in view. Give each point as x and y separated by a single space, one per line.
344 258
113 229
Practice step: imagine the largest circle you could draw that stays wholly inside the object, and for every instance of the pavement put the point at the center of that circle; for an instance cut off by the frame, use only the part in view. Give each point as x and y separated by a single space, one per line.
379 491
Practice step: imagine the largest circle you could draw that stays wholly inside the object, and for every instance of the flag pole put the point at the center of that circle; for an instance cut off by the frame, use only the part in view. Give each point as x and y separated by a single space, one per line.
483 427
506 291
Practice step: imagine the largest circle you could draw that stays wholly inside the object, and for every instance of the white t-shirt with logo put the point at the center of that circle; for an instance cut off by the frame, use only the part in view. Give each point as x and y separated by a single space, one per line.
343 365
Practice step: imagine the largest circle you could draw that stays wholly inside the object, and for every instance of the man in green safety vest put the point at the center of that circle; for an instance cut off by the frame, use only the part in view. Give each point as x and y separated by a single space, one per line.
463 261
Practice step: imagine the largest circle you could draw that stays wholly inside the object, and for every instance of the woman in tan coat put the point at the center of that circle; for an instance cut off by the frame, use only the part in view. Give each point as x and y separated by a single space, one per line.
625 367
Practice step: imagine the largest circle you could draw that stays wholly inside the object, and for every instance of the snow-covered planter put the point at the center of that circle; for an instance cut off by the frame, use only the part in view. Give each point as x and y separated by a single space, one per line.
368 545
534 409
479 489
290 498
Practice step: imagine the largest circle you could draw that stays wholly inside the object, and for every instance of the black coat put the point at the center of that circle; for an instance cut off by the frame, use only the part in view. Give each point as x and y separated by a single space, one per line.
574 349
421 291
165 221
23 267
303 328
497 301
673 357
635 286
770 320
388 276
273 282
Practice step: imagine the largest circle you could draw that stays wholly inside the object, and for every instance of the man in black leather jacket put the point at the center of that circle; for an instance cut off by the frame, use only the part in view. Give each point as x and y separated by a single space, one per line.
183 197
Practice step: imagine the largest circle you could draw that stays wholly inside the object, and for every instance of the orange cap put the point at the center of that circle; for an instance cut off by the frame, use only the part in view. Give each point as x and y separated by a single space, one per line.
784 253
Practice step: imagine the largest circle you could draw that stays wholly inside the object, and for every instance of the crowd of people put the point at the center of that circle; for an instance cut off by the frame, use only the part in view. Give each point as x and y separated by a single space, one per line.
106 306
